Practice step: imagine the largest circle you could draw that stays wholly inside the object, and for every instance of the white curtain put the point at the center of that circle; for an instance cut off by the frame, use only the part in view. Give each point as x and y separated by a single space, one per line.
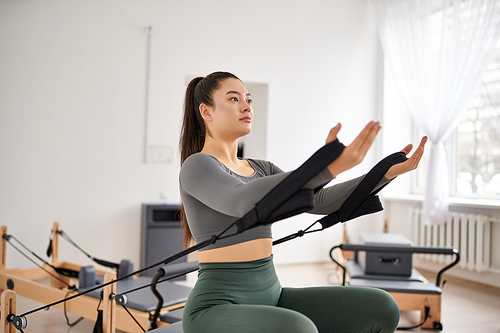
438 51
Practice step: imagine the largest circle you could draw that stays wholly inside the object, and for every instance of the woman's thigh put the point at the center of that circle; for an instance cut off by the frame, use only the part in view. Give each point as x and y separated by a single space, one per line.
344 309
231 318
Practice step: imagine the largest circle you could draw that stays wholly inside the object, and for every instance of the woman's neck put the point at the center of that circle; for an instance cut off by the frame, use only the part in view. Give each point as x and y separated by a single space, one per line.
226 152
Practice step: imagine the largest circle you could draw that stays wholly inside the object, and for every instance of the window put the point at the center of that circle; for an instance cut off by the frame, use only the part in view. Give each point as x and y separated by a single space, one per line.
477 147
474 147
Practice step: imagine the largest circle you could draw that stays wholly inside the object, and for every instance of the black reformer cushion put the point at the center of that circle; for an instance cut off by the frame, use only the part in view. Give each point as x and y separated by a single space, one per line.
172 328
172 316
143 299
409 287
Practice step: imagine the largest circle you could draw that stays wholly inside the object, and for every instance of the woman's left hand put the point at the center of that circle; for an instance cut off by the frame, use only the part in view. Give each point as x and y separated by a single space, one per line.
410 164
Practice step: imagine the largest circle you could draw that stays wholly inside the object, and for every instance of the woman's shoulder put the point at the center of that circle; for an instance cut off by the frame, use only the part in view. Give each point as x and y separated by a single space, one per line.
198 157
266 167
200 160
202 163
198 166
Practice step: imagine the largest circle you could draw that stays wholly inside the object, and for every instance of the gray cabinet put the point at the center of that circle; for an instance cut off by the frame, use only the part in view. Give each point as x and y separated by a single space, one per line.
161 235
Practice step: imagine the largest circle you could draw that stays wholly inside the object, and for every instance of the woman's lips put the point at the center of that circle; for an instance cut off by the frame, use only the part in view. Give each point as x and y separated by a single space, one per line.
246 119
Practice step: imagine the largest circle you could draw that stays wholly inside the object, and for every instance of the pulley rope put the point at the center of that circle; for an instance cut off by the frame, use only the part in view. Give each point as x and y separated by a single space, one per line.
163 262
240 226
130 314
99 261
318 161
8 239
153 283
166 261
299 233
66 316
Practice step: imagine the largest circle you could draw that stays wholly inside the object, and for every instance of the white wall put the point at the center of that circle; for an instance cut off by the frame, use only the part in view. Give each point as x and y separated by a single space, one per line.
73 104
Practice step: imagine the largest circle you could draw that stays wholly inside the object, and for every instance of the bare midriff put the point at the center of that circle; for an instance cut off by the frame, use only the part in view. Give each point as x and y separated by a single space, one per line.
247 251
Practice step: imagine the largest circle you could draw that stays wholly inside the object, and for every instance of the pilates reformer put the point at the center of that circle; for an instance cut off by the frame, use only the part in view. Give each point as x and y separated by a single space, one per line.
130 291
408 287
287 199
137 304
25 282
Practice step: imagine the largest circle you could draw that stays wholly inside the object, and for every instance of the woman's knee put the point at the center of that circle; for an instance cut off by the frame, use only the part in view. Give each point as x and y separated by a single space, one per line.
386 309
249 319
344 309
285 320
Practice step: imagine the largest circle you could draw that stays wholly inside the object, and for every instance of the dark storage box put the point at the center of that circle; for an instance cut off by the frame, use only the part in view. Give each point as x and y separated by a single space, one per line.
385 263
161 235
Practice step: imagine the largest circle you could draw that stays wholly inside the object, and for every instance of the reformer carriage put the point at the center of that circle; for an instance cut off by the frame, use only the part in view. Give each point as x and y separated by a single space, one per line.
387 265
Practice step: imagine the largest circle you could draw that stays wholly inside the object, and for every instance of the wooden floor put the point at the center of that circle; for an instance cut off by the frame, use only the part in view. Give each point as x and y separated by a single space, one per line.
466 307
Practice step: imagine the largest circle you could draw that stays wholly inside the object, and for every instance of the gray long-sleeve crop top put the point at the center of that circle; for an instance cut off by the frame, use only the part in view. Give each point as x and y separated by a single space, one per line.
214 196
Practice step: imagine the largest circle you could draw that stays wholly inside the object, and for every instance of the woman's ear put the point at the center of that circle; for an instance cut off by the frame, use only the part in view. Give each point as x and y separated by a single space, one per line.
206 112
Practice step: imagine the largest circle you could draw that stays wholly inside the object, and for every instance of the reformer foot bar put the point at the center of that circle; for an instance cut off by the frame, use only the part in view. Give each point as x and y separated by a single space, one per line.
285 200
411 293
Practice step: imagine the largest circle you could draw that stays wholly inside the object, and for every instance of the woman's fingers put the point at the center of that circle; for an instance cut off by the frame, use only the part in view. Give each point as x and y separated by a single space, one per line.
356 151
423 142
370 137
410 164
332 136
407 149
359 147
417 155
364 134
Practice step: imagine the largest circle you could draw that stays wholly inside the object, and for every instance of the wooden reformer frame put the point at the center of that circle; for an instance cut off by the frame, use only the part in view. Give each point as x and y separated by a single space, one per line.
26 282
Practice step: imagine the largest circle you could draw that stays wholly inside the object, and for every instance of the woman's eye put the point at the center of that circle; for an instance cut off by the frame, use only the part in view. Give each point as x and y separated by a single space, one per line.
234 99
249 101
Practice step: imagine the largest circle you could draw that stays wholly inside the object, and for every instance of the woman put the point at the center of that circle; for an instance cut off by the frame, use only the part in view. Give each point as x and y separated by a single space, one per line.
237 288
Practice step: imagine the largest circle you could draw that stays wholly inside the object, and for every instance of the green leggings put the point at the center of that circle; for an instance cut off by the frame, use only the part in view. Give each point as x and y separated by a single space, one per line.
247 298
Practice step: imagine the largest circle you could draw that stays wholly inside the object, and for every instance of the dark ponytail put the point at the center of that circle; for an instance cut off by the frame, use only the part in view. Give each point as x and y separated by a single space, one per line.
193 131
193 128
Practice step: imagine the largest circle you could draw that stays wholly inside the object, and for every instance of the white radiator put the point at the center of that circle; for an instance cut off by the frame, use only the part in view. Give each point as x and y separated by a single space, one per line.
470 234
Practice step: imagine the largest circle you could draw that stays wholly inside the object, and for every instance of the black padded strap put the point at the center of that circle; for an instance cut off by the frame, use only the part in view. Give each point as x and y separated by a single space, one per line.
362 200
301 202
106 263
288 188
101 262
370 205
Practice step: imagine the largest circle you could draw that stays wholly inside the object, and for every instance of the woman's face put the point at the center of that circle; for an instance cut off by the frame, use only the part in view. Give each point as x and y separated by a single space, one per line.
231 115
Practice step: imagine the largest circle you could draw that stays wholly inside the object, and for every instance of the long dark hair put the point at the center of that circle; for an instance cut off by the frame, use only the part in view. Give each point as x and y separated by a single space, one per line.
199 90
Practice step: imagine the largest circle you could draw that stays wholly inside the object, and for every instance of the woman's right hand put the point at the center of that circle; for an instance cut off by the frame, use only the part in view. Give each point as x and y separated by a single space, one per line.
356 151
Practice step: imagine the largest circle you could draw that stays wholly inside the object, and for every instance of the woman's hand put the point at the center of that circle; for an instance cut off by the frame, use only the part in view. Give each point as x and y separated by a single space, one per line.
356 151
410 164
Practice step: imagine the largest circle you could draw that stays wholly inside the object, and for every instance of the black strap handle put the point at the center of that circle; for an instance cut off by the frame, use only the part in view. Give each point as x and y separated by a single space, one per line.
263 211
363 200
